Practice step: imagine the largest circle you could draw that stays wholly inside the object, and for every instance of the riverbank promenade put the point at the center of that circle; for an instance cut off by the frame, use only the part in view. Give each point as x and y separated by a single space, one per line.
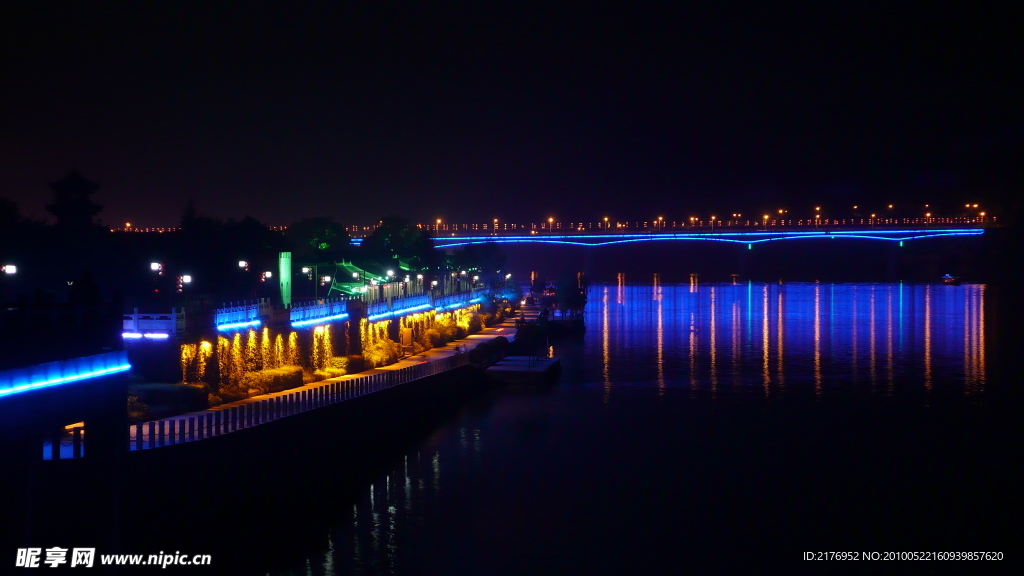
258 410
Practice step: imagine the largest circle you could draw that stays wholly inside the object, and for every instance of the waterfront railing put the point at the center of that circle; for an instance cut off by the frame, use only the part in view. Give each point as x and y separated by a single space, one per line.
271 407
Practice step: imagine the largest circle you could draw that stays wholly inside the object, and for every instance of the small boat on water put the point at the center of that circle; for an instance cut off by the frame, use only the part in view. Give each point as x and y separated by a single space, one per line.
950 280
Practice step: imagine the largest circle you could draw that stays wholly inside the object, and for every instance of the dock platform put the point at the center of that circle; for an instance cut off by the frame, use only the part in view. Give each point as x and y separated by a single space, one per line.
525 369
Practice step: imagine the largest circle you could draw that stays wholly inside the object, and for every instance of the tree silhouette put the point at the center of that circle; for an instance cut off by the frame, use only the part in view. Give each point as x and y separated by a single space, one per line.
71 203
319 238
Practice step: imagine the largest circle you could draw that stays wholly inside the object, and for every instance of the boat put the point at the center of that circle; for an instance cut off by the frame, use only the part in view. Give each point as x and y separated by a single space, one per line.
950 280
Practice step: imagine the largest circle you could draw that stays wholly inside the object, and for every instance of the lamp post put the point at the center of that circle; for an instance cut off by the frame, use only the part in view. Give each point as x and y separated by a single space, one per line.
551 225
712 223
765 218
605 223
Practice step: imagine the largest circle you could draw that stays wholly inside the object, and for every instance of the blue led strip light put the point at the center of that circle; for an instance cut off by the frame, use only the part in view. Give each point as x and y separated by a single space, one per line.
46 375
234 325
734 237
302 323
399 312
459 305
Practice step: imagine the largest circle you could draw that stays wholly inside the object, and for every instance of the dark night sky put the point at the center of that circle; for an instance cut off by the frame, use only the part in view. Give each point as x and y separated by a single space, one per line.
470 111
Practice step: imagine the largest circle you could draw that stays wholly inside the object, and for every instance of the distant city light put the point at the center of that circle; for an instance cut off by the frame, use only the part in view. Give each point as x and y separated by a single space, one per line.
186 279
242 264
268 274
155 265
10 269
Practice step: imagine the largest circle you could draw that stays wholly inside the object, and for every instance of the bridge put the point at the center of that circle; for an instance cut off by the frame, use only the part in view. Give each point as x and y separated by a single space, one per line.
737 231
724 235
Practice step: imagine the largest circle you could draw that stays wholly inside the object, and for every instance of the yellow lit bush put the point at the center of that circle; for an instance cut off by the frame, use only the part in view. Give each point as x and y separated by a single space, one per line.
262 382
336 366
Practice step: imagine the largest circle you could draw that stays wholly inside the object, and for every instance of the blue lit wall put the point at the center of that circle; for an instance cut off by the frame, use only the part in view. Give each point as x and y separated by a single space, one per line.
21 380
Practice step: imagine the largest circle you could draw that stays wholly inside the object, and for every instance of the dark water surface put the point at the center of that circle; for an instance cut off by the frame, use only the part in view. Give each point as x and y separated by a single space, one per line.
713 427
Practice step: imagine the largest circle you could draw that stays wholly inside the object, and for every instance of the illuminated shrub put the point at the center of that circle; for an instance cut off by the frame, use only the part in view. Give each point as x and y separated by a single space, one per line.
262 382
136 409
355 363
336 366
435 338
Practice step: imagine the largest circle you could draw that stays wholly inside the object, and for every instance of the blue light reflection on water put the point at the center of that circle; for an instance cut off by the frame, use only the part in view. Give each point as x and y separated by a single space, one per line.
582 476
816 336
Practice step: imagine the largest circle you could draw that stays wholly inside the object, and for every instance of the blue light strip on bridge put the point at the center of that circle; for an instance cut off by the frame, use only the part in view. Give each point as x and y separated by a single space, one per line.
735 237
226 327
65 379
302 323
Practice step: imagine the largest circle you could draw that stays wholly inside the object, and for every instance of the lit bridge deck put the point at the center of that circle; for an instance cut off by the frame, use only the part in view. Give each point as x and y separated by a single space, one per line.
749 237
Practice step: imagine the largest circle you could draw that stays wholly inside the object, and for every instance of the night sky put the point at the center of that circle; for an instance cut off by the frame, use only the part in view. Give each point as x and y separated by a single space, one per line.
520 111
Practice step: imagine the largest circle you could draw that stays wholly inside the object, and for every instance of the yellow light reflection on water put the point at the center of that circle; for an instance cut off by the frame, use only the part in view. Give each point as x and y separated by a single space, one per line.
853 328
981 338
661 336
693 352
779 340
928 337
737 314
766 375
714 336
817 340
606 354
871 344
888 340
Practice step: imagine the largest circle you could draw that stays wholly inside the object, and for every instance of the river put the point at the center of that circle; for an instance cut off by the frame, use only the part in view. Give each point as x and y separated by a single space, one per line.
711 427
